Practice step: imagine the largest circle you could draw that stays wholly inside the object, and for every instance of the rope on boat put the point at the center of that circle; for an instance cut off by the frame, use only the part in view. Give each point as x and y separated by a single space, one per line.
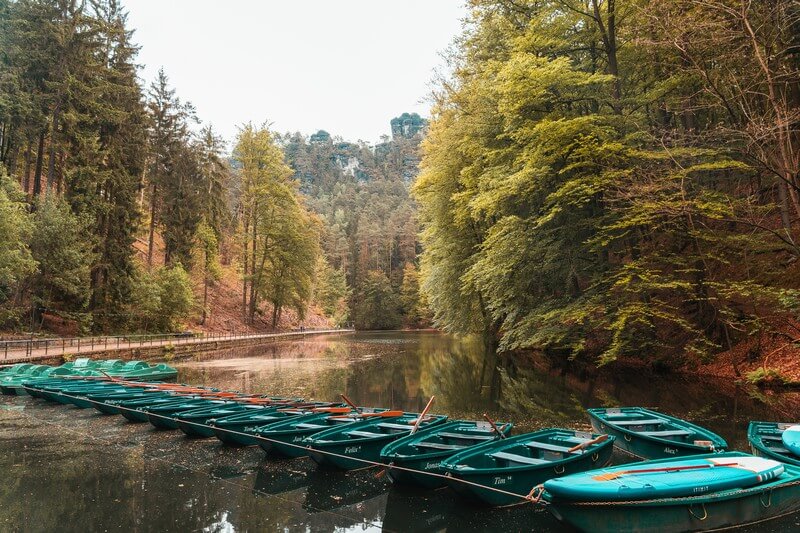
530 497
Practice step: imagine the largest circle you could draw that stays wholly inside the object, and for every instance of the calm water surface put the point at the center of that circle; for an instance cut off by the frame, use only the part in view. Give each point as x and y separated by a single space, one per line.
67 469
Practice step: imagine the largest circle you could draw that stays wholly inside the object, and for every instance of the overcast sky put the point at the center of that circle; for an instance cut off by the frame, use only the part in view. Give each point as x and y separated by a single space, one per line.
345 66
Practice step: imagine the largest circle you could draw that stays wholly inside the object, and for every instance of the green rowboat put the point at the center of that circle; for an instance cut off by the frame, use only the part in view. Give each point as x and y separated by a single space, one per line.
283 437
110 403
652 435
363 441
165 416
195 423
425 450
765 441
240 429
518 464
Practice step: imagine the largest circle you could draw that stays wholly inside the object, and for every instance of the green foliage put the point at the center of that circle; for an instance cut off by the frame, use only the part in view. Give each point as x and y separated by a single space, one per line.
411 299
376 305
331 292
280 238
16 261
764 376
575 197
59 245
362 196
161 300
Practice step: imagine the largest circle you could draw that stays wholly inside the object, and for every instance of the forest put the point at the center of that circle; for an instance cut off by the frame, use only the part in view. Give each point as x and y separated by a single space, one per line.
121 211
599 180
609 179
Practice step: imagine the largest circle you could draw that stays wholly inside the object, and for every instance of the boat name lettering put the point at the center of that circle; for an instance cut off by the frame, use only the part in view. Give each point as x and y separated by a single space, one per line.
701 489
502 480
431 466
671 451
352 449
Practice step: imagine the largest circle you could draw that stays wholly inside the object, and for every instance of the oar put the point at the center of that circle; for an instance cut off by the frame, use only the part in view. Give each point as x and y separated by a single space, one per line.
384 414
332 410
350 403
614 475
584 445
422 416
494 426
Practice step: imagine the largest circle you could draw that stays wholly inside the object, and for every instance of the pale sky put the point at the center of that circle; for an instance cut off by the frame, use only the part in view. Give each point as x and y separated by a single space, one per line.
345 66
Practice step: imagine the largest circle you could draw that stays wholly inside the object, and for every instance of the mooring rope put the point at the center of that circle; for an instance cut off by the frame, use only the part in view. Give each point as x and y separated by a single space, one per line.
530 497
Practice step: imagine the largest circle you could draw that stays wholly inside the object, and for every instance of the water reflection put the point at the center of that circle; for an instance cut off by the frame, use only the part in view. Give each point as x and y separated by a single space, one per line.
68 469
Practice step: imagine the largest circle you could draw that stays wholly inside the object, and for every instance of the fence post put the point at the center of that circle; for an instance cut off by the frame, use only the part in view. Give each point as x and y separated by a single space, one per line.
79 345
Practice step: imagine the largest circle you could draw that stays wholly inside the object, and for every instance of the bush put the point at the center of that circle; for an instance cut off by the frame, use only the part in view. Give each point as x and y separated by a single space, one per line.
766 376
161 300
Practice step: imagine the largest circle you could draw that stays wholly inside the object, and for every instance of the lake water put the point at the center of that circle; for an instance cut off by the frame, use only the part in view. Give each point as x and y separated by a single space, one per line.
66 469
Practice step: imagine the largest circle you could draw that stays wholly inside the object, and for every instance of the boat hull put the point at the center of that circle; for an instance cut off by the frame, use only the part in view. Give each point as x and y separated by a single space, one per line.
644 447
729 509
344 454
522 480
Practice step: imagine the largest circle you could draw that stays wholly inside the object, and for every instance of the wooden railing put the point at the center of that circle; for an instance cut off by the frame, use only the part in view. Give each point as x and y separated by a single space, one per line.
55 346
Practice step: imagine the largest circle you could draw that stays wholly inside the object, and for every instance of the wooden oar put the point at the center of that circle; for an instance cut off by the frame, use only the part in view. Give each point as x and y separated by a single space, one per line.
332 410
422 416
584 445
382 414
614 475
494 426
350 403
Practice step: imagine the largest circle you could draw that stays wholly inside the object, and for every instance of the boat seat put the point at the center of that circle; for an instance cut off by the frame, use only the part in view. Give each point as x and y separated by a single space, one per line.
368 434
465 436
390 425
305 425
439 446
550 447
779 449
772 437
515 458
668 433
640 422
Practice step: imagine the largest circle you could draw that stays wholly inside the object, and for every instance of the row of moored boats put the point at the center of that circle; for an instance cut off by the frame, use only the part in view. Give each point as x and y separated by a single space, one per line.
688 482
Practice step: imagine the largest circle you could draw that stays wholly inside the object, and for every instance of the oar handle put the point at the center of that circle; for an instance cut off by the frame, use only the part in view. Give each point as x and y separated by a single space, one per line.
350 403
422 415
584 445
494 426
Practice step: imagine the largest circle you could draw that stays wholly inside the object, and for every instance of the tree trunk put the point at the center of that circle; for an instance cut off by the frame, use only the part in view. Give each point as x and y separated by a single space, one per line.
37 177
246 233
51 164
783 203
609 35
253 284
152 226
26 179
205 298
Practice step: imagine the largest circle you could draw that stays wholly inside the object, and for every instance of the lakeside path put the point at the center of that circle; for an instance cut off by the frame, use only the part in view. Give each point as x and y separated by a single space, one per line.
39 349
